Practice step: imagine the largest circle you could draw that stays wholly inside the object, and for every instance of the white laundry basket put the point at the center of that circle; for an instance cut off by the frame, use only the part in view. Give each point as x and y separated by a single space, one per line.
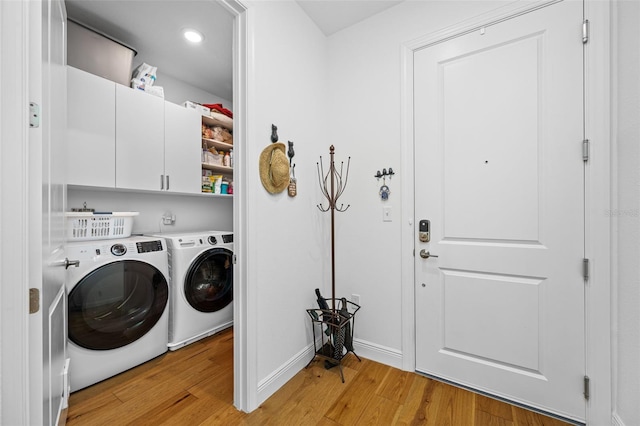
85 226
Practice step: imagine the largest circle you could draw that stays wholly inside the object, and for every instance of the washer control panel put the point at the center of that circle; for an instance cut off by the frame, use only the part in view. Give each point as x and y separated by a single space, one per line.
118 249
149 246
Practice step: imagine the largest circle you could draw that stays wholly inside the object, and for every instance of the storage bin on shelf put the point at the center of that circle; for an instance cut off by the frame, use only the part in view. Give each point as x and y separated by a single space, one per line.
84 226
98 54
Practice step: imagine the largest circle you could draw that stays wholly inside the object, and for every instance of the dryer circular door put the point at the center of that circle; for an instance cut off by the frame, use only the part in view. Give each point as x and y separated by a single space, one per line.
208 284
116 304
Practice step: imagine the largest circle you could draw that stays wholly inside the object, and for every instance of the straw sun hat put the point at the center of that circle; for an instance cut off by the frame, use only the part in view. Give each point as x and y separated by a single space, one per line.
274 168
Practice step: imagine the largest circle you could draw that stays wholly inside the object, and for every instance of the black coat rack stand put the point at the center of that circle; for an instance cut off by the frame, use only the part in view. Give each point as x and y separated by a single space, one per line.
336 323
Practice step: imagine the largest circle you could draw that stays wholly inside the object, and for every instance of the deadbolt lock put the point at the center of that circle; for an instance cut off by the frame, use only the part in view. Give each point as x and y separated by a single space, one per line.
424 231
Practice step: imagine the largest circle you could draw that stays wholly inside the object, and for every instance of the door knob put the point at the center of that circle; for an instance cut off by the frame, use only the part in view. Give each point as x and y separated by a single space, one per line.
425 254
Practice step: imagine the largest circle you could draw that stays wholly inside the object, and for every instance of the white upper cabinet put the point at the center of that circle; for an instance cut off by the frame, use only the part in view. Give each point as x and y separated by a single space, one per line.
125 138
139 140
91 145
182 154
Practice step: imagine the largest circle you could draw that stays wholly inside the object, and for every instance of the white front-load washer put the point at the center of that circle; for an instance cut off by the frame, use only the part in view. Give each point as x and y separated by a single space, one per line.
201 285
117 306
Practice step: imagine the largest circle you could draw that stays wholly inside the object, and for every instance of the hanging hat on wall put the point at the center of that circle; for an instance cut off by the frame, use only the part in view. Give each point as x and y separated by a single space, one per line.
274 168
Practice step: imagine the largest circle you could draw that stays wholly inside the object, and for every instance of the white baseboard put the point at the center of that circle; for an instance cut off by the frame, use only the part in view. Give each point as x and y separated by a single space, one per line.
616 421
274 381
378 353
270 384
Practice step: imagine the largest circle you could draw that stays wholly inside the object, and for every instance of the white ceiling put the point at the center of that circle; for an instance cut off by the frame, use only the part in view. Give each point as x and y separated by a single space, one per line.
153 28
332 16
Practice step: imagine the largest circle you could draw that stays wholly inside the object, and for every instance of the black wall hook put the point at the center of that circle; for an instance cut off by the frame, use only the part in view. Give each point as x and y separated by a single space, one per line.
290 153
384 189
384 173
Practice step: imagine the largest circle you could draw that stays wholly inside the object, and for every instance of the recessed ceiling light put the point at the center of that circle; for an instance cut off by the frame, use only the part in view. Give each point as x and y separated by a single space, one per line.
193 36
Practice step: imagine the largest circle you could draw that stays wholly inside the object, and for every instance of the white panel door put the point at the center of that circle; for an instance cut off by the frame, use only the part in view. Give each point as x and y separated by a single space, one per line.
139 140
49 337
499 175
182 151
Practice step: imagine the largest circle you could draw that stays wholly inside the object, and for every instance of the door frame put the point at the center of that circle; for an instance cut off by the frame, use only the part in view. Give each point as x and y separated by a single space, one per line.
598 190
14 212
15 36
245 350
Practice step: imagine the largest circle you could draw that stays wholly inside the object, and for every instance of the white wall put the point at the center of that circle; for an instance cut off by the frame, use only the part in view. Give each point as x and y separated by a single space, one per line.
287 237
177 91
347 96
365 89
626 216
193 212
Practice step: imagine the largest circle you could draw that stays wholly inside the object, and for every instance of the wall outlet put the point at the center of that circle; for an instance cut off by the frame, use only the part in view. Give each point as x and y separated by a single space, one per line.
168 219
355 298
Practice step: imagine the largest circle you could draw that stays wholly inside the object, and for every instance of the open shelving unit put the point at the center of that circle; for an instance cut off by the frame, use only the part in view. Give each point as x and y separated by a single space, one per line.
221 120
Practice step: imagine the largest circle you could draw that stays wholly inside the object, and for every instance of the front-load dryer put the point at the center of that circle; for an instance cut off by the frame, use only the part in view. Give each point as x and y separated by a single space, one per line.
201 285
117 306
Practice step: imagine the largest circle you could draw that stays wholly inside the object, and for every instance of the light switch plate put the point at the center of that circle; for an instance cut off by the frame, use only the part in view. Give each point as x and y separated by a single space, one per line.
386 214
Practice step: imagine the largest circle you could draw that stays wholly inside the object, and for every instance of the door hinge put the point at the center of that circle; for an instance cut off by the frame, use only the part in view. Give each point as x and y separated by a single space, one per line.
585 269
585 150
34 115
235 259
586 387
34 300
585 31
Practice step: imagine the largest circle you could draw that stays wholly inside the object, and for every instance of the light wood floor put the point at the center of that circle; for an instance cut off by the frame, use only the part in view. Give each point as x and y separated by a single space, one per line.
194 386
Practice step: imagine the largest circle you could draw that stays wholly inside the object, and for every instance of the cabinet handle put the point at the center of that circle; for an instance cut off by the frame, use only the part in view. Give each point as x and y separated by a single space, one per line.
161 181
167 182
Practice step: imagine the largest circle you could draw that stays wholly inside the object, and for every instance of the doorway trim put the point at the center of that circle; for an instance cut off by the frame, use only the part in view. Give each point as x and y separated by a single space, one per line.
14 212
597 196
245 374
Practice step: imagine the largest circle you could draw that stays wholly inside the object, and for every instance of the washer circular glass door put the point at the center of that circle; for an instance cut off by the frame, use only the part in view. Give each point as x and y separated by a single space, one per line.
116 304
208 285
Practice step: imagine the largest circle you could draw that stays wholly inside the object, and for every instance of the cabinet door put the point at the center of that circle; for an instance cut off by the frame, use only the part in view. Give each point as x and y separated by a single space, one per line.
139 140
91 129
182 151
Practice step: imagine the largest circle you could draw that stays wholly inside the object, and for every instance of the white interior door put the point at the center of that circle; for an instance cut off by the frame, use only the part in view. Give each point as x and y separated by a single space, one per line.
47 194
499 175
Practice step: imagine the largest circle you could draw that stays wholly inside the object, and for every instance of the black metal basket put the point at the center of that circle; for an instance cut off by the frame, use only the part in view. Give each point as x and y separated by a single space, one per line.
335 339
